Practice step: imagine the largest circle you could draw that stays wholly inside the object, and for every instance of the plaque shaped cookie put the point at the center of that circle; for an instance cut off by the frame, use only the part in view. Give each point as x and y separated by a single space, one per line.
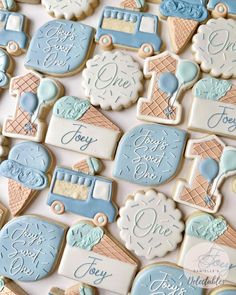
213 162
222 8
209 237
78 289
213 47
34 97
170 76
149 154
60 48
112 80
76 125
98 259
74 9
30 247
8 287
214 107
150 224
163 278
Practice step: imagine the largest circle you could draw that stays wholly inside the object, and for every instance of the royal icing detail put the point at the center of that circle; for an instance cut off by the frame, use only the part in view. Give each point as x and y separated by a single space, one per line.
112 80
60 47
34 95
214 107
78 289
149 154
76 125
224 290
13 36
213 162
170 76
29 248
98 260
74 9
150 225
127 28
163 278
133 4
222 8
213 47
5 65
82 193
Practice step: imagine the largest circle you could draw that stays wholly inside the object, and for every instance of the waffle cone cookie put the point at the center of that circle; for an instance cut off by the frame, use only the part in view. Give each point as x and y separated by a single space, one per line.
228 238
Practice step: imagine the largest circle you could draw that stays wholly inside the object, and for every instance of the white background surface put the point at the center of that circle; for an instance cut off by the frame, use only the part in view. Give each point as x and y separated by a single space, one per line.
124 119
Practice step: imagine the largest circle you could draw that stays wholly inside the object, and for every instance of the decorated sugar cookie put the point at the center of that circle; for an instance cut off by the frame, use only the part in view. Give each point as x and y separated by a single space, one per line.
76 125
3 215
8 5
73 9
214 107
163 278
183 18
170 76
13 32
149 154
129 29
112 80
222 8
209 238
213 162
35 95
98 259
213 47
6 67
77 190
224 290
8 287
4 146
27 170
78 289
30 247
60 48
150 224
138 5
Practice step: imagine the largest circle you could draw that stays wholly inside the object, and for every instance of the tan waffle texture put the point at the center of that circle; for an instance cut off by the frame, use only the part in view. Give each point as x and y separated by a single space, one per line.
181 31
82 166
26 83
228 238
230 96
208 149
130 4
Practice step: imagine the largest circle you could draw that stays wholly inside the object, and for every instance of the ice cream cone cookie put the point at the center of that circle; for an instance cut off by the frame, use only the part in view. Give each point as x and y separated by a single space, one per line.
138 5
170 76
4 146
8 287
3 215
213 47
76 125
214 107
93 247
213 162
224 290
77 190
78 289
208 236
27 169
183 18
222 8
35 96
150 224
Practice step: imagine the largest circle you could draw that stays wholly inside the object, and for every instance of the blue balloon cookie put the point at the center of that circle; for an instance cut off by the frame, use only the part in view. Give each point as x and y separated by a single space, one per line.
149 154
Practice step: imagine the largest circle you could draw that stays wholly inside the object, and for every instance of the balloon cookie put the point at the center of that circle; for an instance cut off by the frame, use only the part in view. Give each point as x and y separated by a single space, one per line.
30 247
213 47
149 154
77 190
35 95
214 107
170 76
73 9
150 224
209 249
60 48
213 162
163 278
112 80
8 287
224 290
129 29
222 8
78 289
183 18
76 125
27 170
98 259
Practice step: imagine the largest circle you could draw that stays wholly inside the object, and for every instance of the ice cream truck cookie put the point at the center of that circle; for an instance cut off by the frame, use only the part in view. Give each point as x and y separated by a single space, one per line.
35 96
224 290
27 169
76 125
78 289
94 257
77 190
222 8
8 287
213 162
129 29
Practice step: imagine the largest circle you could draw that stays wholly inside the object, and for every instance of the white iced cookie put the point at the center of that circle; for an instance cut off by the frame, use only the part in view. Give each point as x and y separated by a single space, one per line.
112 80
214 47
73 9
150 224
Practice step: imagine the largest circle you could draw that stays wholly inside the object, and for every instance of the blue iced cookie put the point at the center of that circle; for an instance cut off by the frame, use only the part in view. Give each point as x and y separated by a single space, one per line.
222 8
